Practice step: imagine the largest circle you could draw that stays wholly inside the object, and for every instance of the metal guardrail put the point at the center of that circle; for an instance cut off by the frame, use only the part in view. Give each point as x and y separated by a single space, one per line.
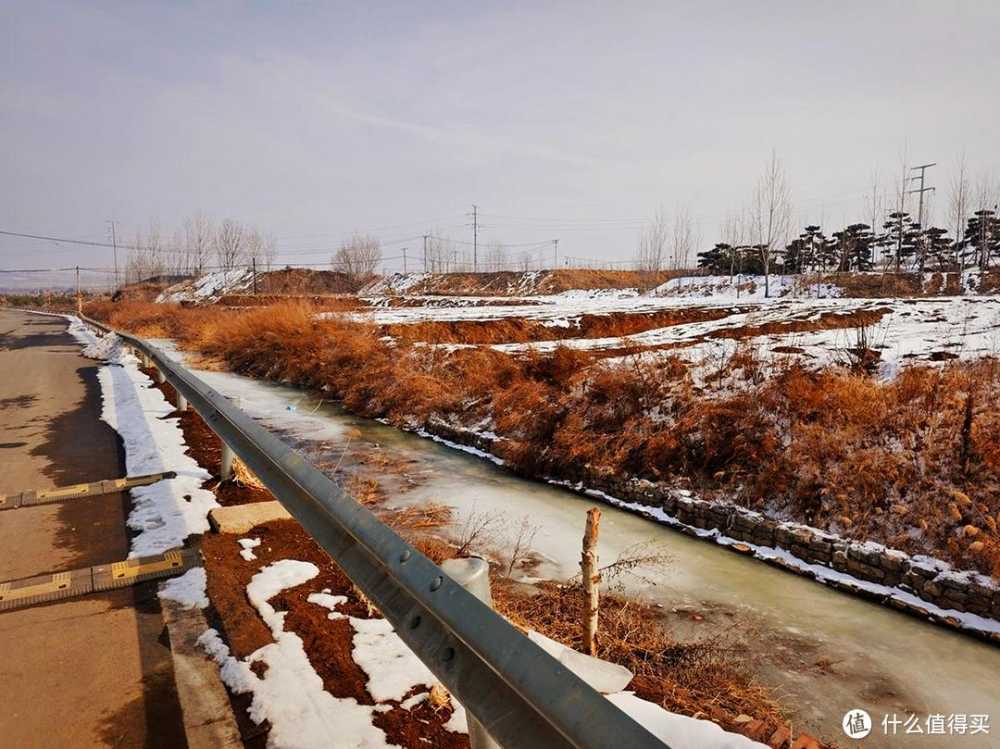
520 694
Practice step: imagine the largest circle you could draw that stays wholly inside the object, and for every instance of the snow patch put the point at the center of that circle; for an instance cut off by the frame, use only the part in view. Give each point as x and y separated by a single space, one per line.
328 601
247 545
679 730
188 589
392 668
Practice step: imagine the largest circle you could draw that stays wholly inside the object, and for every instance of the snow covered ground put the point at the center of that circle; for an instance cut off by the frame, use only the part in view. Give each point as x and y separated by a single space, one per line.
924 330
932 329
165 513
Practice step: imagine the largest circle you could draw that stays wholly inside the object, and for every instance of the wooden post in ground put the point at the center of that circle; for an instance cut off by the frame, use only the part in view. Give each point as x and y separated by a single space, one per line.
591 580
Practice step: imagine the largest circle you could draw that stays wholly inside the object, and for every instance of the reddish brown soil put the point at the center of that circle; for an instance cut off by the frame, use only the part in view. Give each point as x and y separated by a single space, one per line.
331 303
826 321
304 281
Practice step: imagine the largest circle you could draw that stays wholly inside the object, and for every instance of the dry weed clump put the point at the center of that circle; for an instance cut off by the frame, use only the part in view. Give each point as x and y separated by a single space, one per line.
682 677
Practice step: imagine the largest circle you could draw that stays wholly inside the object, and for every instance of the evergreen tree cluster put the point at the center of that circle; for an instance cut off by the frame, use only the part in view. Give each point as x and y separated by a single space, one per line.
900 245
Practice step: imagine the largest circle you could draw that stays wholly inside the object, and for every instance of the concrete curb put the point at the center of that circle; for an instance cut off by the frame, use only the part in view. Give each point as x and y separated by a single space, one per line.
208 717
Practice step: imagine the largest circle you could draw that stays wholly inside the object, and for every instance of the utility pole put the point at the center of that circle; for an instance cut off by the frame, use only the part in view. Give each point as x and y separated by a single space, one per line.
404 260
923 169
475 237
114 246
79 299
253 261
426 237
555 254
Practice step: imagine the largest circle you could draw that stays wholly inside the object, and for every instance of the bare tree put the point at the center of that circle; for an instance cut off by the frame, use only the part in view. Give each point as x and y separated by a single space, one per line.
478 532
520 544
358 257
155 249
525 260
734 233
496 257
652 244
438 252
230 244
770 215
684 239
958 208
176 255
876 206
199 234
137 265
261 249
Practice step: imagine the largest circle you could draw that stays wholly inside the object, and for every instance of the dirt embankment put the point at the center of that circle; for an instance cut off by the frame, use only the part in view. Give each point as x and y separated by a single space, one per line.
524 330
515 283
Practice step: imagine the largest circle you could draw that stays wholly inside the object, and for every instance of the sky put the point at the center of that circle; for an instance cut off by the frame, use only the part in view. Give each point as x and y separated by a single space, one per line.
575 121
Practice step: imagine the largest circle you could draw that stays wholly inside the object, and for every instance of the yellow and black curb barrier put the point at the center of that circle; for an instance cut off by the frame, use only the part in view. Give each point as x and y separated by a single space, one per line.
79 491
16 594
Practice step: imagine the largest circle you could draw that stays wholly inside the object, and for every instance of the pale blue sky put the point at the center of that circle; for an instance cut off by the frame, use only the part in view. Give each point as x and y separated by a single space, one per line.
313 120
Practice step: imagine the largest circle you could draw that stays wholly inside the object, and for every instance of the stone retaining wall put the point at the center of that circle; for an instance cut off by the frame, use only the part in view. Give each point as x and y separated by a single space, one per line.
927 579
930 580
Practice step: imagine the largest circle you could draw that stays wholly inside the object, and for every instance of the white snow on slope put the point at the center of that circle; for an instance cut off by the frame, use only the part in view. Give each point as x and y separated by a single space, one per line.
208 287
290 694
745 288
167 512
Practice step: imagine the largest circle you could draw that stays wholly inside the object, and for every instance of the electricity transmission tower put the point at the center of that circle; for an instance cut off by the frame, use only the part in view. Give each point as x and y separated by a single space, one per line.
475 237
923 169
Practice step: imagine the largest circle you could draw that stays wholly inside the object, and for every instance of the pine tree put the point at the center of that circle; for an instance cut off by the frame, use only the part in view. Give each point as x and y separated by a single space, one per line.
719 260
900 238
936 250
854 248
815 243
796 254
982 239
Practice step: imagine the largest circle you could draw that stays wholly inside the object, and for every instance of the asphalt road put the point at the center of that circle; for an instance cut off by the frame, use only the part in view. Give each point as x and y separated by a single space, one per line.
91 671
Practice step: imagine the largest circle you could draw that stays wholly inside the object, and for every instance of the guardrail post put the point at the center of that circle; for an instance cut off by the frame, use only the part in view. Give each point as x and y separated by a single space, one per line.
473 574
228 456
158 375
182 402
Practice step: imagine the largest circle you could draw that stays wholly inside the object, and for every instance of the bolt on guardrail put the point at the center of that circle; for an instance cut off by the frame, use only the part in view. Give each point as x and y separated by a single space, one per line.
517 693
